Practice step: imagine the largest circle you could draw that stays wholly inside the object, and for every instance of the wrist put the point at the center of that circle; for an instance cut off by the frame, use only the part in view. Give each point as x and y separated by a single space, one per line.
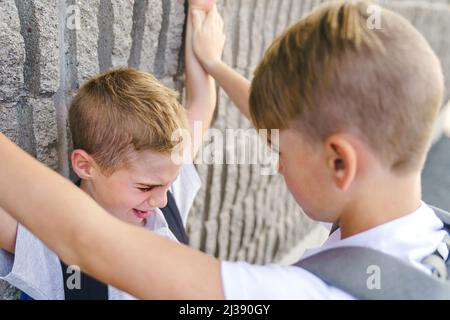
213 66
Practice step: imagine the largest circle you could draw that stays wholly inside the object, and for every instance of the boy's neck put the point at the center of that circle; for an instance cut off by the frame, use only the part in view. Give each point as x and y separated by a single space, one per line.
84 186
384 201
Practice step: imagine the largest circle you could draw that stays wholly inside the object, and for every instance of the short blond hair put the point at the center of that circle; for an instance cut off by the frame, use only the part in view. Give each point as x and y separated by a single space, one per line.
121 111
331 72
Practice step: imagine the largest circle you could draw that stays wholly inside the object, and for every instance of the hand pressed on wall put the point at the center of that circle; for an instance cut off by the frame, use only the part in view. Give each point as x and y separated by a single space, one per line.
208 37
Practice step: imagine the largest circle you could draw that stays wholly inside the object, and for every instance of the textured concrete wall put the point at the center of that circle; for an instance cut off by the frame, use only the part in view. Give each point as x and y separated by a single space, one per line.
45 56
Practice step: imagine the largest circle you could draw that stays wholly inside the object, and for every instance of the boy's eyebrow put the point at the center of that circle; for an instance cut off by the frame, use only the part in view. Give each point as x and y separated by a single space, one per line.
148 184
153 184
161 183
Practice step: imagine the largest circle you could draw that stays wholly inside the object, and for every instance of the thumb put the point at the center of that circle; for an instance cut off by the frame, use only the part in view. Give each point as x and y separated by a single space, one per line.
198 18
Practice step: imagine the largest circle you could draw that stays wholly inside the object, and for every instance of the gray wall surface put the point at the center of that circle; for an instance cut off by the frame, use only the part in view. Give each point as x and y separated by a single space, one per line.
46 56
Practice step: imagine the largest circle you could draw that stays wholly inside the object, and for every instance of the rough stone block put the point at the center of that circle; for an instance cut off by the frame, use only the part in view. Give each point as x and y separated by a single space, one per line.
123 23
12 51
87 56
148 28
8 121
46 20
170 39
45 131
7 292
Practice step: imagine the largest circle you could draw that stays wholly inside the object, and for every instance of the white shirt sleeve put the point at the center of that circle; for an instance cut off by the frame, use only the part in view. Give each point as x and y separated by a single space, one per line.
243 281
34 268
185 188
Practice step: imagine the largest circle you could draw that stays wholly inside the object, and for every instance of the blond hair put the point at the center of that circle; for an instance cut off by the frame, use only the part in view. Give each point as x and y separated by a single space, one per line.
331 72
121 111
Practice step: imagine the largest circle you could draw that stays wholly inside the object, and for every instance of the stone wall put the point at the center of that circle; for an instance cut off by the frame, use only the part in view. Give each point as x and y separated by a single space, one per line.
49 47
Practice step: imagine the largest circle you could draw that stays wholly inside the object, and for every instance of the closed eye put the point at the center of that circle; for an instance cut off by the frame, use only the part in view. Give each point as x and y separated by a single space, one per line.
147 189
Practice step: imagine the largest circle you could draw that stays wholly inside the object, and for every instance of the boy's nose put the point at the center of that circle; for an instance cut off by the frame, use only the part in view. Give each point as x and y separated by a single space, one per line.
160 200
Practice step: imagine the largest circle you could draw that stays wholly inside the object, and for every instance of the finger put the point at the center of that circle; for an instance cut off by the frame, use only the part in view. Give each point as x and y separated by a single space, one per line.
214 9
218 17
212 15
198 18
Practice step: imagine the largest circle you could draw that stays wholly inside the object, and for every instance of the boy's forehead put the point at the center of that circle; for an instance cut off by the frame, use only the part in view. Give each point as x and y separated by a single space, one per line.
153 167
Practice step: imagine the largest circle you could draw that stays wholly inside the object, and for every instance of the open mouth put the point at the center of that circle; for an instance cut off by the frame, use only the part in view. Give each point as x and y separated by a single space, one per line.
142 214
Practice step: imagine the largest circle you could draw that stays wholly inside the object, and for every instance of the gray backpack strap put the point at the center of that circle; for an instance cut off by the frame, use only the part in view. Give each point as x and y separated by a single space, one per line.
443 215
371 274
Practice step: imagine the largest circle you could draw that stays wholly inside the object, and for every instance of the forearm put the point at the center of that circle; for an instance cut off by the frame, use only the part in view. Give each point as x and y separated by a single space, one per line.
8 231
201 96
152 267
200 86
200 113
235 85
83 234
200 104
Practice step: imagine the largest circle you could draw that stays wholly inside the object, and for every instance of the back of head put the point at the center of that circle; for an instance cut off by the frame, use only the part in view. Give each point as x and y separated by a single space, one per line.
331 72
122 111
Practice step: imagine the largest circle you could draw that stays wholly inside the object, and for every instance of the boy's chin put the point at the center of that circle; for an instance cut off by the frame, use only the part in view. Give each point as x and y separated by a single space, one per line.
142 223
139 222
130 218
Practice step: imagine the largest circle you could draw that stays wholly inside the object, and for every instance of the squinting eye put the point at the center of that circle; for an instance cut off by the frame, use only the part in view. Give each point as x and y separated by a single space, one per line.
145 189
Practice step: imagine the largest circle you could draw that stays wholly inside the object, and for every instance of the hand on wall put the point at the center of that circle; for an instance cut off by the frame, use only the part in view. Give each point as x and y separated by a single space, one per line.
208 37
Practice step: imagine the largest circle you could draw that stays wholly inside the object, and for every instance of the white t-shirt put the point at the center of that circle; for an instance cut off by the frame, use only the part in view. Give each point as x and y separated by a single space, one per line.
36 270
410 238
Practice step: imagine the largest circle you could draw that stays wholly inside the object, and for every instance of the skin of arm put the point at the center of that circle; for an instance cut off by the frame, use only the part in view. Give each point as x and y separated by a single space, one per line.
83 234
208 47
201 97
8 231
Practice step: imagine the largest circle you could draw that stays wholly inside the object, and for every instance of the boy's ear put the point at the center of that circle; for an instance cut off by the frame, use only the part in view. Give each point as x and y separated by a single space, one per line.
82 164
342 160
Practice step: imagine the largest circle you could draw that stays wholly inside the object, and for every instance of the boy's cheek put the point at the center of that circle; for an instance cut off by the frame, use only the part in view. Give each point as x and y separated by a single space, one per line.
121 201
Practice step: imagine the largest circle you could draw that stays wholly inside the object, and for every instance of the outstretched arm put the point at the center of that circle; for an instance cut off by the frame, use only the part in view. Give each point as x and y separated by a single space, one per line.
201 97
83 234
8 232
208 35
